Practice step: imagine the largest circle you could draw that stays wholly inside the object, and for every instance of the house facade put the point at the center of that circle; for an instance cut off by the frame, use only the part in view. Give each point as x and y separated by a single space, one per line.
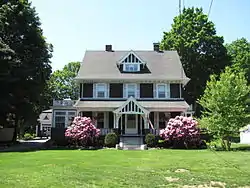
130 92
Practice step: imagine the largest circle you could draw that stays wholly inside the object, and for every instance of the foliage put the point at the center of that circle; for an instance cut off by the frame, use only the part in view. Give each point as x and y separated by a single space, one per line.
150 140
82 132
202 52
62 84
239 51
111 140
224 103
29 68
28 136
181 131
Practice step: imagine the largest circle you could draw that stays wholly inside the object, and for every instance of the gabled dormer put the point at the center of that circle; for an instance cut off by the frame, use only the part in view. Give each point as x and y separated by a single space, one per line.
131 63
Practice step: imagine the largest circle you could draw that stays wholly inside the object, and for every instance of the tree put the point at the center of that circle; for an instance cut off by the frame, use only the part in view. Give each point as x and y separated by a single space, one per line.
239 51
20 30
6 63
224 103
62 84
202 52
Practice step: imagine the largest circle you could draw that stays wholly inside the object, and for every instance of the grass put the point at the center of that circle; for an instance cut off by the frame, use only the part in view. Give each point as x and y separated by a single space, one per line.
114 168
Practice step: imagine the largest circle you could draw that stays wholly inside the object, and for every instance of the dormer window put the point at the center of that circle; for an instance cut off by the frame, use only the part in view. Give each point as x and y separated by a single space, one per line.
131 62
131 67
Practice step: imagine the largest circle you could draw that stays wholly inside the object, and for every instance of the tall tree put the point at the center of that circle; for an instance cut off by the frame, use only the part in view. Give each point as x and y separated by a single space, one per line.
239 51
224 103
202 51
6 63
62 84
20 29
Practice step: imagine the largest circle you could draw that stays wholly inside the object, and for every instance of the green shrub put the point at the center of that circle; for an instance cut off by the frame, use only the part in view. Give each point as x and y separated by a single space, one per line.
28 136
111 140
150 140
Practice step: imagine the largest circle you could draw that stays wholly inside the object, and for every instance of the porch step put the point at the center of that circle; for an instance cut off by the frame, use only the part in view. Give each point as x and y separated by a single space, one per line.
131 143
131 147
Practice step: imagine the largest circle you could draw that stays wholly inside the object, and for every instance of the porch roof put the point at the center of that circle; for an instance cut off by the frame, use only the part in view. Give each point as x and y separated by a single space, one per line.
164 106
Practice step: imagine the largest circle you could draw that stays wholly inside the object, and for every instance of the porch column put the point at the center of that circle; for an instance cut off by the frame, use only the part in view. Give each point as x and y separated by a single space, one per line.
114 126
116 118
146 121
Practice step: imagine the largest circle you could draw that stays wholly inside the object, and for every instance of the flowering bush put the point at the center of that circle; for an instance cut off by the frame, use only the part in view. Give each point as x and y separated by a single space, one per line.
82 132
181 132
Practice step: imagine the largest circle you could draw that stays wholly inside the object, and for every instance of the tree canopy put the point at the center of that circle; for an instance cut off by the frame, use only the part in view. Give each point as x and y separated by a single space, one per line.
26 73
202 51
62 84
224 103
239 51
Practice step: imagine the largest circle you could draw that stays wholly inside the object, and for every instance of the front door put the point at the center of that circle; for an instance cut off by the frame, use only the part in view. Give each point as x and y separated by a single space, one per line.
131 124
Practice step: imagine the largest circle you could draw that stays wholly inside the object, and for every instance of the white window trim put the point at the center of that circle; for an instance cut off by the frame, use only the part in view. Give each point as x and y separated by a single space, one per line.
167 91
135 63
66 116
105 90
136 89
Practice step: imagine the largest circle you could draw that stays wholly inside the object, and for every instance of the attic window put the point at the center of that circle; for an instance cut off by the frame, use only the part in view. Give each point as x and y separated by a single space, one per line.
131 63
131 67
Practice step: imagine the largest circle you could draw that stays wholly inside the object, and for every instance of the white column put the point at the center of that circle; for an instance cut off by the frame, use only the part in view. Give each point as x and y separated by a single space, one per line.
114 126
117 120
157 120
106 120
146 121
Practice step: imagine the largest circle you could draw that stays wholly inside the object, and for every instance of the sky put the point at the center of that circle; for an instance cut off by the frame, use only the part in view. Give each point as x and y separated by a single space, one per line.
75 26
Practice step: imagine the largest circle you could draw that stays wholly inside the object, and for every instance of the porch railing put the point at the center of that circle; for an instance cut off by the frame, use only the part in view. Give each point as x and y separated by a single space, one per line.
104 131
154 131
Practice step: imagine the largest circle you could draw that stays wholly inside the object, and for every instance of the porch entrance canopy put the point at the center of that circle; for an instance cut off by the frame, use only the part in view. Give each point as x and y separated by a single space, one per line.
131 106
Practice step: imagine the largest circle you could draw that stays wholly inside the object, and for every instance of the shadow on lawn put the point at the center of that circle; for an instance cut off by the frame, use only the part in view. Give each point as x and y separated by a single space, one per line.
33 146
36 146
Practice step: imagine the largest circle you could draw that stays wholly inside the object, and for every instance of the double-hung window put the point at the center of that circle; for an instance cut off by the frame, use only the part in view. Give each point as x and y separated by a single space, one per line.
162 90
131 90
101 91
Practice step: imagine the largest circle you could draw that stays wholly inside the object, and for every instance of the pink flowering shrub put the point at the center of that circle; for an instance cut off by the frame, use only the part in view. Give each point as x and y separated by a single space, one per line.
181 132
82 132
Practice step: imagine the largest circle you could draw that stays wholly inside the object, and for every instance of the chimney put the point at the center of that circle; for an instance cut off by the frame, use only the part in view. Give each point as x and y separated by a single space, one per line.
109 48
156 47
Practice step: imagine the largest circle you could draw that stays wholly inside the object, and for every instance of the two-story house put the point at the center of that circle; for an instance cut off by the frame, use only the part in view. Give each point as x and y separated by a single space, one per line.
132 92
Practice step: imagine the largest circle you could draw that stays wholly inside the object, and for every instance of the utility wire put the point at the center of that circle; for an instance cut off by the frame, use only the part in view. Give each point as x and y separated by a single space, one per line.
210 7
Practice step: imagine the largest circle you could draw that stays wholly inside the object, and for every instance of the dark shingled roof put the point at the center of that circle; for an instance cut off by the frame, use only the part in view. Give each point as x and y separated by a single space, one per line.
164 65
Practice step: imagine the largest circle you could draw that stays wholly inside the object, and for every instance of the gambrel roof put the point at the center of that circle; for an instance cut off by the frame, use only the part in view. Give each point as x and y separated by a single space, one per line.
102 65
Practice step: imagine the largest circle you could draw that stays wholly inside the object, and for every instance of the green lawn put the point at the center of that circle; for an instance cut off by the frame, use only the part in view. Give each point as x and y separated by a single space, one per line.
114 168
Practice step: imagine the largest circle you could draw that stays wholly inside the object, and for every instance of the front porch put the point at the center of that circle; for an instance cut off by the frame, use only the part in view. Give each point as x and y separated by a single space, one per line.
130 119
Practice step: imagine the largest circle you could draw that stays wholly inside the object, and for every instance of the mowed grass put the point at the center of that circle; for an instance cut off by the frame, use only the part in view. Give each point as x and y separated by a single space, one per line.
115 168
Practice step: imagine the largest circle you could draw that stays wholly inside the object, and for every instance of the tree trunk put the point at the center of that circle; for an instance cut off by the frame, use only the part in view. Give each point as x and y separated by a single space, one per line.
228 144
15 129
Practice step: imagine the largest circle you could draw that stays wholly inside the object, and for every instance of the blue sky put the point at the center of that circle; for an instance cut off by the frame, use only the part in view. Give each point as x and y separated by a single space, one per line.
77 25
